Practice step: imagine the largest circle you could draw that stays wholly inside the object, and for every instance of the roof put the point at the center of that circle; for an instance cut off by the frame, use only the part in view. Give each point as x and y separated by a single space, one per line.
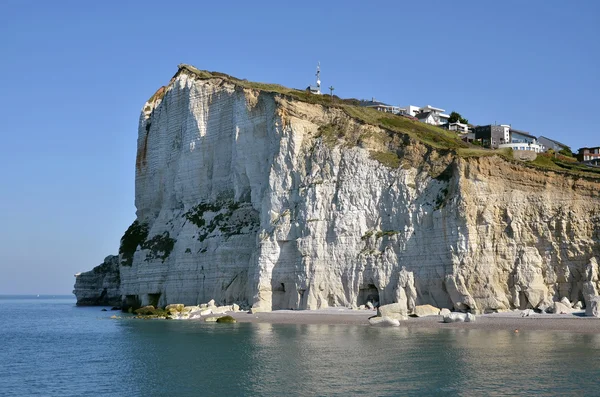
555 141
422 116
372 103
512 130
432 108
589 148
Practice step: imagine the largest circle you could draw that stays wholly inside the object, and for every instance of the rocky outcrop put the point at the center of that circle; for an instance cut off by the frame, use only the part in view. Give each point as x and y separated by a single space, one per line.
250 196
100 286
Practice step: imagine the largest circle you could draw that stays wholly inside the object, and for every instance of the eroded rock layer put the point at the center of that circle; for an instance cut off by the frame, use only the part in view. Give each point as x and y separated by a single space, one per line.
252 197
100 286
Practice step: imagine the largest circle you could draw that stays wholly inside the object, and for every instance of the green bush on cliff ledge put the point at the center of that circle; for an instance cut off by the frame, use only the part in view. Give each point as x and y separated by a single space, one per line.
160 246
134 236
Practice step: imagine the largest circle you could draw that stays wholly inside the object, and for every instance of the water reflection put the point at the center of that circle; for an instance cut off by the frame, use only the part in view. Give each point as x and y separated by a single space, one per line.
192 358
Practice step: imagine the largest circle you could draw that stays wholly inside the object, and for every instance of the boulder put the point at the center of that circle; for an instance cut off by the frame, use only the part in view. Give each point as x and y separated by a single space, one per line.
221 309
459 318
578 305
561 308
226 320
593 308
257 309
174 307
426 310
210 319
527 312
362 307
589 291
146 310
235 307
205 312
445 312
370 305
396 311
384 321
211 303
565 301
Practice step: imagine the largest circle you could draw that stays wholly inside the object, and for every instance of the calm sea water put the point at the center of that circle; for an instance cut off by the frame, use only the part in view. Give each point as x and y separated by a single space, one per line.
52 348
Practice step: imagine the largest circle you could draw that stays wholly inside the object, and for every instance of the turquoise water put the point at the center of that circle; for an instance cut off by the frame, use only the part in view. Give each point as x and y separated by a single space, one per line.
52 348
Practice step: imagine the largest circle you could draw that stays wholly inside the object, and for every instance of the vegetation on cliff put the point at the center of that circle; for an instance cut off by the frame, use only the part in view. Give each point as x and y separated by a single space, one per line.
136 235
431 136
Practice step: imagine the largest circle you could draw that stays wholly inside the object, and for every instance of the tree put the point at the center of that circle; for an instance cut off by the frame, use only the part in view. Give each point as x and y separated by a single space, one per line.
566 151
454 117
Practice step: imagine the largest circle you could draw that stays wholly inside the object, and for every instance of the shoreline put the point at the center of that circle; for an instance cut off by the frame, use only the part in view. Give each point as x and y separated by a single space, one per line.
510 321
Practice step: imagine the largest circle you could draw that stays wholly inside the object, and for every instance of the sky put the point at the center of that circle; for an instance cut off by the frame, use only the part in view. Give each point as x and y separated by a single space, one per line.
76 74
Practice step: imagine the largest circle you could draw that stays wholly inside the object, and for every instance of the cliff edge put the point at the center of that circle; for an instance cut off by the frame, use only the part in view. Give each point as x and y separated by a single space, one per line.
262 195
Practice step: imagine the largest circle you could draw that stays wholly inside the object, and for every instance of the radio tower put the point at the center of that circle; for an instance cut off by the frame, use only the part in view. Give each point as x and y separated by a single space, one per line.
316 89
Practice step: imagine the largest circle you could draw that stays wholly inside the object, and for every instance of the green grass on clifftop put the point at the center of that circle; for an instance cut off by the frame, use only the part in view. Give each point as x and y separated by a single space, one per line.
429 135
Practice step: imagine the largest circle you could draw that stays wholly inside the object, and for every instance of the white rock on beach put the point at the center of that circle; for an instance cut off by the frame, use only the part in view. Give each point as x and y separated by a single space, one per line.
445 312
426 310
396 311
561 308
593 307
527 312
459 318
384 321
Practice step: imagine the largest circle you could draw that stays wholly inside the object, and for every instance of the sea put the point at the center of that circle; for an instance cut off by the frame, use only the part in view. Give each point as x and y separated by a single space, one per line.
50 347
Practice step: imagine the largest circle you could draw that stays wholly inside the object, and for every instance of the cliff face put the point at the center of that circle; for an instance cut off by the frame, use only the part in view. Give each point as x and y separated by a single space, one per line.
250 196
100 286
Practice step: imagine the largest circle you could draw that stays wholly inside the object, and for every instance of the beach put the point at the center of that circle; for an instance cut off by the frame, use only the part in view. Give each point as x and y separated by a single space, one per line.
511 321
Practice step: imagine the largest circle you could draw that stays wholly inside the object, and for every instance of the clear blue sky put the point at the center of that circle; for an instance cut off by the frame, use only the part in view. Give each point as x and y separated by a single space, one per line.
75 75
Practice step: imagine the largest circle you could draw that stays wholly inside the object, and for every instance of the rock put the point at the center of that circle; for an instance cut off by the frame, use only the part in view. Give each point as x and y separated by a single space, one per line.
205 312
336 223
593 308
113 316
226 319
370 306
362 307
174 307
426 310
235 308
221 309
591 270
565 301
115 308
211 303
561 308
203 306
527 312
445 312
589 291
103 310
458 318
384 321
578 305
146 310
256 310
406 292
100 286
210 319
396 311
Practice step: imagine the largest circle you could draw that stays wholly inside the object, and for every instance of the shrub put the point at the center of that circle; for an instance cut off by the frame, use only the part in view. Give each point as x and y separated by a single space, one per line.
134 236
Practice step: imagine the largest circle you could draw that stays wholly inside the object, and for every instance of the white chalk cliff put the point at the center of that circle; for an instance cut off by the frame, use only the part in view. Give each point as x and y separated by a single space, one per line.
251 196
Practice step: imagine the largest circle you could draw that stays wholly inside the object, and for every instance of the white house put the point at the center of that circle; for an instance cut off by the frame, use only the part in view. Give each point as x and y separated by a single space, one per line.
458 127
520 140
426 114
